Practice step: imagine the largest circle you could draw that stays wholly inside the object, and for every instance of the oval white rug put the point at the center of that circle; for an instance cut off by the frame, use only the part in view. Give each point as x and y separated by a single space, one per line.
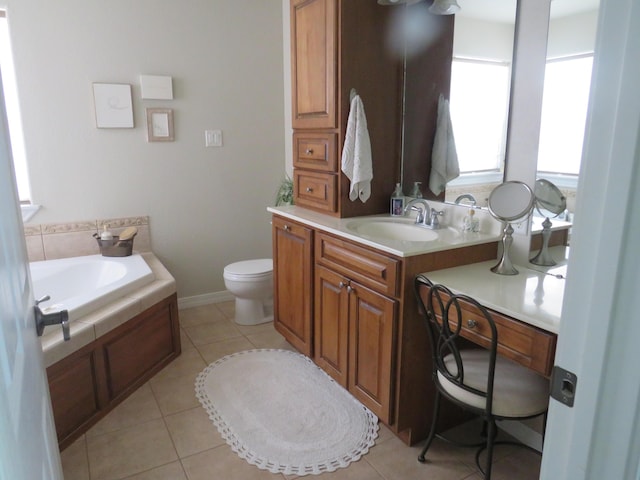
281 413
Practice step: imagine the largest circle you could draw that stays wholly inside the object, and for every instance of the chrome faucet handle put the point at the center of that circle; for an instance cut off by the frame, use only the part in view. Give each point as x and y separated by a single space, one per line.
420 216
435 223
43 319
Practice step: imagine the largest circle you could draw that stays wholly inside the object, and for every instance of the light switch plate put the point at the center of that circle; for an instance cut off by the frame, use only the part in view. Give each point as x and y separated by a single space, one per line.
213 138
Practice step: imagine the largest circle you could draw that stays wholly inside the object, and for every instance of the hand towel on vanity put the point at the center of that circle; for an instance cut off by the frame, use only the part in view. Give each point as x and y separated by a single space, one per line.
356 153
444 159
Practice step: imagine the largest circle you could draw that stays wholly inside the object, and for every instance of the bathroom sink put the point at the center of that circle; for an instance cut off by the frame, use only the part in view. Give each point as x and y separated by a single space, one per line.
392 229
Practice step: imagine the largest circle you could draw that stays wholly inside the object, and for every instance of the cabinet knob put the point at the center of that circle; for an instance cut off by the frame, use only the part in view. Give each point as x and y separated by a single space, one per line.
309 189
342 285
472 323
286 228
309 151
350 289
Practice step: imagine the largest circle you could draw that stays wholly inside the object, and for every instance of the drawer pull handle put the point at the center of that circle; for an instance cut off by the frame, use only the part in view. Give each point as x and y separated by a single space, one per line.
472 323
309 151
309 189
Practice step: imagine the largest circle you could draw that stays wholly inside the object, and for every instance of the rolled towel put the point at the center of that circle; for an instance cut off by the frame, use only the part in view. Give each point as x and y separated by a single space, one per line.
444 158
357 163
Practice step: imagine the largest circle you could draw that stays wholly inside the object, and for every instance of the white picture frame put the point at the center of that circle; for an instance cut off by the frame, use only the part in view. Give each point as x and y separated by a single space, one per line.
113 105
160 125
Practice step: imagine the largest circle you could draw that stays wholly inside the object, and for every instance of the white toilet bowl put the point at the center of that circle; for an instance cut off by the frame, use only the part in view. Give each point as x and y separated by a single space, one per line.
251 282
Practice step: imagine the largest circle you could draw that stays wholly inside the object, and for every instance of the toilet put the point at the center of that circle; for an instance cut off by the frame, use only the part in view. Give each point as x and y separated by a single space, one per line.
251 282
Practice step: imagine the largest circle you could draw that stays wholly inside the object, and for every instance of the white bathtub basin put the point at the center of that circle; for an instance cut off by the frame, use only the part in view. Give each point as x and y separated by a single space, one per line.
84 284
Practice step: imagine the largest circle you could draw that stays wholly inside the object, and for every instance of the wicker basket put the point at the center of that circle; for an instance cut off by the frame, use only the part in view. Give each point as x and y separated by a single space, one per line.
115 247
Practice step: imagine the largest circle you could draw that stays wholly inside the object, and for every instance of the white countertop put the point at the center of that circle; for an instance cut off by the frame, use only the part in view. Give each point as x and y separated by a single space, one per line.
448 237
534 296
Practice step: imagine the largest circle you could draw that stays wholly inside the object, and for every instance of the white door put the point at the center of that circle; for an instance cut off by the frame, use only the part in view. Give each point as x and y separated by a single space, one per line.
28 445
599 437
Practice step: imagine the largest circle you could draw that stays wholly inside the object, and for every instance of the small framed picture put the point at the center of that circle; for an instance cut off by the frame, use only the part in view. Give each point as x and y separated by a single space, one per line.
113 105
397 207
160 125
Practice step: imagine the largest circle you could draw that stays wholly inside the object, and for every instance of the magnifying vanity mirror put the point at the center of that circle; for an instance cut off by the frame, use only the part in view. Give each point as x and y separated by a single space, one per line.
509 202
550 202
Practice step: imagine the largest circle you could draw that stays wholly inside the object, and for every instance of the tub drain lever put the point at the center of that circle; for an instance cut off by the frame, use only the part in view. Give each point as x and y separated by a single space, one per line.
43 319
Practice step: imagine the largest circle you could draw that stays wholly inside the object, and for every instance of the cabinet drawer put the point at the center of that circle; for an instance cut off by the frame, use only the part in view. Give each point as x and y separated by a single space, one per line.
315 151
315 190
522 343
375 270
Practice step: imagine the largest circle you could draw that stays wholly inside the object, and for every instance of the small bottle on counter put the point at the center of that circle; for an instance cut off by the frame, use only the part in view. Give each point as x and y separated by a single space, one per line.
416 193
397 202
106 235
470 223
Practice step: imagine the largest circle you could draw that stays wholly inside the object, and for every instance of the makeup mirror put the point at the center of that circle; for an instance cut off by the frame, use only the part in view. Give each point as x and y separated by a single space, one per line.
550 202
508 202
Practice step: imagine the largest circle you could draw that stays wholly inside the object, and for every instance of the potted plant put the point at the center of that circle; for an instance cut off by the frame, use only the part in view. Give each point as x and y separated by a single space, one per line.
285 192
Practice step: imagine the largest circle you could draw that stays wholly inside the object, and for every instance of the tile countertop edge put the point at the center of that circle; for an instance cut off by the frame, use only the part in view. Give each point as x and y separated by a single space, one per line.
338 226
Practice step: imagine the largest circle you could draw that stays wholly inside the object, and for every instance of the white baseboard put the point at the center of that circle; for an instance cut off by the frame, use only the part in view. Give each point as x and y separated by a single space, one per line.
522 432
205 299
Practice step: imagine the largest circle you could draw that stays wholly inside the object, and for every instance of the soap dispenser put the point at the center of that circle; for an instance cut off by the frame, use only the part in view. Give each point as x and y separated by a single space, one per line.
397 202
416 193
106 235
470 223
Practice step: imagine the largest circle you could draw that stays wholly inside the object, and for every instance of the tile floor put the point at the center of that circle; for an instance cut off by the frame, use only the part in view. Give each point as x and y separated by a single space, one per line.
162 433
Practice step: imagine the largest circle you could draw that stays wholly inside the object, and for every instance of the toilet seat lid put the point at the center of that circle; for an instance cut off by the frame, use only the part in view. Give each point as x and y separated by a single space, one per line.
250 267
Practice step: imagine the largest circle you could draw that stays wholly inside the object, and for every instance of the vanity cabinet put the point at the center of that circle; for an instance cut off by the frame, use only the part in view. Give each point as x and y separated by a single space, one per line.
354 325
293 282
337 46
351 308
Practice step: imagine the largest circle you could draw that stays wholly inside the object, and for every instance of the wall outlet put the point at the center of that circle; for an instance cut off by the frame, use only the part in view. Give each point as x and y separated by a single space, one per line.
213 138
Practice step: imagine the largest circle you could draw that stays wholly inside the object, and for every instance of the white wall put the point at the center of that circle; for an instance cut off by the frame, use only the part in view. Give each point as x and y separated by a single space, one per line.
206 205
482 39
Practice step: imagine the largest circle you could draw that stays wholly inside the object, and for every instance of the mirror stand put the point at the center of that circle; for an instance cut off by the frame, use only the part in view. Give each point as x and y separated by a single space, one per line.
544 258
504 266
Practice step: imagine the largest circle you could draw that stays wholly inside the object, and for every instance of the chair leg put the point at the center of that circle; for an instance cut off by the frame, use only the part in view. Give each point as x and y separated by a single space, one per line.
432 432
491 435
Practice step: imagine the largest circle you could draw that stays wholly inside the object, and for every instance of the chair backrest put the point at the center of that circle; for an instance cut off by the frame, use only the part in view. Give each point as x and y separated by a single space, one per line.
449 318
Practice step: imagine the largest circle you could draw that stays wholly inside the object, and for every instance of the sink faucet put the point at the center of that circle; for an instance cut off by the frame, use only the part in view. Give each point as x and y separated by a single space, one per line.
466 196
423 218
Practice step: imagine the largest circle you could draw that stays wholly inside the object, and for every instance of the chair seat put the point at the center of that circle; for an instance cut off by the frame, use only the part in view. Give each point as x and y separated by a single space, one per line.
517 391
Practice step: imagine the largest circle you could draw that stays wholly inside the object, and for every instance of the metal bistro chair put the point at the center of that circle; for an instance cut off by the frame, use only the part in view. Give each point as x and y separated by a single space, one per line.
476 379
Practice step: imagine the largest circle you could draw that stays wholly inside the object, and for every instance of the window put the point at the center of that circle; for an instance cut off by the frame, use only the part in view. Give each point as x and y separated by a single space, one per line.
479 109
13 112
567 82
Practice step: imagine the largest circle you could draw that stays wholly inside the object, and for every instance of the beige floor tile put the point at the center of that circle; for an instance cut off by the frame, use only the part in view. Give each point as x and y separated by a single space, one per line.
255 329
185 342
140 407
523 465
212 332
171 471
190 362
213 351
130 451
228 308
193 432
396 461
270 340
360 470
223 463
190 317
75 463
175 394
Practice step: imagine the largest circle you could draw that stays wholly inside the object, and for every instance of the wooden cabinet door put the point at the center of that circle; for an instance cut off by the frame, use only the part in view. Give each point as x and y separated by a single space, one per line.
314 63
372 320
293 282
331 327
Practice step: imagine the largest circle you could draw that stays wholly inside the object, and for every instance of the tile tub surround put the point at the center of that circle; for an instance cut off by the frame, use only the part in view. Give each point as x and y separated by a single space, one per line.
73 239
101 321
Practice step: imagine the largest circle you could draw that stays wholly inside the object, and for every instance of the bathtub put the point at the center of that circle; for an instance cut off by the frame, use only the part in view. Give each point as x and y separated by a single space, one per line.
84 284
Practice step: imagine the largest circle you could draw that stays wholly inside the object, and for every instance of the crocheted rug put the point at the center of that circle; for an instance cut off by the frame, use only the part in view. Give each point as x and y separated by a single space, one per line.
281 413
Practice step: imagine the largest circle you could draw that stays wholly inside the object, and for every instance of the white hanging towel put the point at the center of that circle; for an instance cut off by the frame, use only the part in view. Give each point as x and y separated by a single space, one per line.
444 159
356 153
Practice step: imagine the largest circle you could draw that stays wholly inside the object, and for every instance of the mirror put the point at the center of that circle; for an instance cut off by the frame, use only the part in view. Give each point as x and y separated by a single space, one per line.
550 202
508 202
570 46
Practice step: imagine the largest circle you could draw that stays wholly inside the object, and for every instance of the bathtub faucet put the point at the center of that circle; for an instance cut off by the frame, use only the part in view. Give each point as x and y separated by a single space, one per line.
43 319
